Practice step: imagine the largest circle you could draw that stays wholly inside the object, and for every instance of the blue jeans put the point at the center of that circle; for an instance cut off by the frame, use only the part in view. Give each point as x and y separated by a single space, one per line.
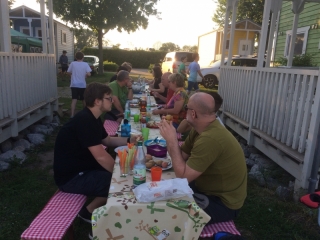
193 85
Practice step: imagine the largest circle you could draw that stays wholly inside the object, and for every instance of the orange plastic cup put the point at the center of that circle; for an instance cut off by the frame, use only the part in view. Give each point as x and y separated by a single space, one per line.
156 174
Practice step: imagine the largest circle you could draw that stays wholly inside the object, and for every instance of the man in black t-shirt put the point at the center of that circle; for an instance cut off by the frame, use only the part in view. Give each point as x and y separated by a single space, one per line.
81 164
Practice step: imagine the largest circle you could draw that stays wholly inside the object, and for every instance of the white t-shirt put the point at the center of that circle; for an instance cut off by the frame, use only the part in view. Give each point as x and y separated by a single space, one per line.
79 71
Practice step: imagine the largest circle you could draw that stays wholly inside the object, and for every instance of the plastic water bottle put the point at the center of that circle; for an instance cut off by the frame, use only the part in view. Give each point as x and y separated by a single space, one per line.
139 168
125 128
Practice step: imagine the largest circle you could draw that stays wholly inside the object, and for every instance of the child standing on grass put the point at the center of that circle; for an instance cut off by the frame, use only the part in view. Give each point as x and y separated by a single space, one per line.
193 71
182 67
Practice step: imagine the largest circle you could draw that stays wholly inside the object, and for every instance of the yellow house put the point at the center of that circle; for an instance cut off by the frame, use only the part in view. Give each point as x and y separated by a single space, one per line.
210 44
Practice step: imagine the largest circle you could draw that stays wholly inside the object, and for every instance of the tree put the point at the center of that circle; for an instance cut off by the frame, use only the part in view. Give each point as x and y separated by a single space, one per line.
84 38
104 15
247 9
10 3
169 47
189 48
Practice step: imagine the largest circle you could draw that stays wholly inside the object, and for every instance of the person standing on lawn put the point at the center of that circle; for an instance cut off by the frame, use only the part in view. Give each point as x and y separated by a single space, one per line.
63 60
81 164
78 70
211 159
182 67
193 71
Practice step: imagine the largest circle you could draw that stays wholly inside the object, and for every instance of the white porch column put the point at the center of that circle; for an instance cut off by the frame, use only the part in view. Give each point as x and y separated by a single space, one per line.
51 28
5 37
30 27
43 27
275 12
233 25
225 31
297 8
264 32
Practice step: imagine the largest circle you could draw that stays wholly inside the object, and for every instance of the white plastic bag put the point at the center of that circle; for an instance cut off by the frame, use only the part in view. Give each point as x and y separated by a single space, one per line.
163 190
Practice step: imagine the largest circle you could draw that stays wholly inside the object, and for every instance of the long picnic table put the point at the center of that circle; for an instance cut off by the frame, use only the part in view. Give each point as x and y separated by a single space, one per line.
123 217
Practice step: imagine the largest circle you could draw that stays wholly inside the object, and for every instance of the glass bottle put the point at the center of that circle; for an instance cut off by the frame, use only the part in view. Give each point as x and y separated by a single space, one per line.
139 168
127 111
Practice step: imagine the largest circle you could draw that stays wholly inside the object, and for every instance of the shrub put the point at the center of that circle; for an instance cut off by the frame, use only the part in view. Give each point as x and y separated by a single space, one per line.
138 59
110 66
304 60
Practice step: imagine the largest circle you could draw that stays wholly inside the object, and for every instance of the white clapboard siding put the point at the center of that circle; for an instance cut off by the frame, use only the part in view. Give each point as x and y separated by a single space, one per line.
279 105
28 90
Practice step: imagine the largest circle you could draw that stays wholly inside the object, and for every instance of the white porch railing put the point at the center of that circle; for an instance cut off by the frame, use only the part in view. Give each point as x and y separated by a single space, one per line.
277 111
28 91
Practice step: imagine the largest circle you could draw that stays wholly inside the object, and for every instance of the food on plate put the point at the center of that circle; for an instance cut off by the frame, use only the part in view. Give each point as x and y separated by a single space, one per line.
149 164
152 124
148 157
164 164
159 162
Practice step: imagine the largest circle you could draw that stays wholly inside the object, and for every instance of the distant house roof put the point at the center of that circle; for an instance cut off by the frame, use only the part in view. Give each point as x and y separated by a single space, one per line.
26 12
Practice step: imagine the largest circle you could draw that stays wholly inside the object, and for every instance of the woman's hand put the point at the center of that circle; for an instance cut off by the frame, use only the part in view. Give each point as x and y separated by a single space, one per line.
156 111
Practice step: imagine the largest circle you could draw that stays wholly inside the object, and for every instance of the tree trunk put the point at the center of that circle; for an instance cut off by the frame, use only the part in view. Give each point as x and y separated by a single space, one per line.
100 35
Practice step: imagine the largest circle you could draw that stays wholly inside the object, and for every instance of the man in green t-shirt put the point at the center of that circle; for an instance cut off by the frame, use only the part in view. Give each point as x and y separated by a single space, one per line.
210 158
121 92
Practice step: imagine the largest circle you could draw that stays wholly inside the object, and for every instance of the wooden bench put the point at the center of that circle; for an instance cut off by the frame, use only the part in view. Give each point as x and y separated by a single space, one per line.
111 127
56 218
210 229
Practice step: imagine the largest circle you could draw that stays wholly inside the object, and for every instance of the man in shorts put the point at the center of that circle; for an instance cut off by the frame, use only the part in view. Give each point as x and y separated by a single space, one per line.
211 159
78 70
193 71
81 164
63 60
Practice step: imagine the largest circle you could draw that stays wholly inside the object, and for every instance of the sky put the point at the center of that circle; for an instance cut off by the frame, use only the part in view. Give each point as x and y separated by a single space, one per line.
182 22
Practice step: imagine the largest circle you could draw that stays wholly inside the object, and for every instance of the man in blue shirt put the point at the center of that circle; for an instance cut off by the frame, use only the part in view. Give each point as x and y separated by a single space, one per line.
193 71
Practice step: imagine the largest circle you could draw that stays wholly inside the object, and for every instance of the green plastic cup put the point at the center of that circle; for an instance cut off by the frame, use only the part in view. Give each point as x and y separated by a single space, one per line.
145 133
136 118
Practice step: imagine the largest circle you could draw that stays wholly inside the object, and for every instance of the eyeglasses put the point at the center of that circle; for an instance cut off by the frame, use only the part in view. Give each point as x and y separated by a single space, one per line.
109 98
186 108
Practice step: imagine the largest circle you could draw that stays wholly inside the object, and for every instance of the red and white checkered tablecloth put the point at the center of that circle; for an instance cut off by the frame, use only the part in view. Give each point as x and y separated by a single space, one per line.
211 229
111 127
56 217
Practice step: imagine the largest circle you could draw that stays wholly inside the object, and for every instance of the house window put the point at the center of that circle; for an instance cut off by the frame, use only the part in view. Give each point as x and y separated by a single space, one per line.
300 43
63 37
25 30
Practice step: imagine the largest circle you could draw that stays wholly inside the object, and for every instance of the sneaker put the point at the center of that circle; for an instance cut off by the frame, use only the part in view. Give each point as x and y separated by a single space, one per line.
85 215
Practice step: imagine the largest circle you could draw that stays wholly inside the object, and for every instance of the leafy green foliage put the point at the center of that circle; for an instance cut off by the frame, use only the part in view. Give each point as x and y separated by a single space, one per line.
169 47
305 60
110 66
188 48
85 38
138 59
247 9
104 15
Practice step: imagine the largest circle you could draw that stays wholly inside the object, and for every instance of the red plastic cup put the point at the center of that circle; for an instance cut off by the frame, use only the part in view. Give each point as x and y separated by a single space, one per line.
156 174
